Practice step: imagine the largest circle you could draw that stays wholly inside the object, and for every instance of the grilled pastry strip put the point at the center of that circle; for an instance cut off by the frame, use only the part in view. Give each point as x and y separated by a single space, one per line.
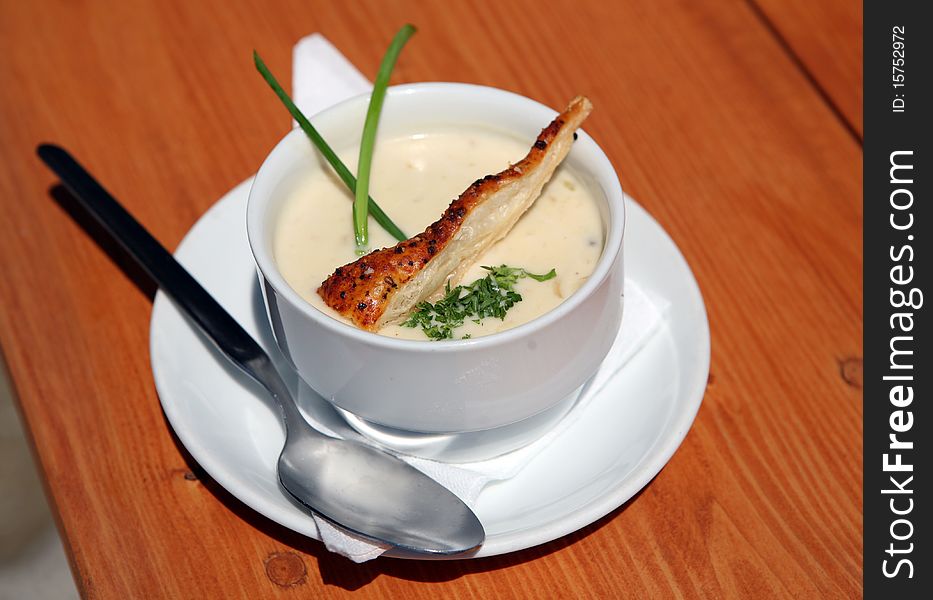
385 285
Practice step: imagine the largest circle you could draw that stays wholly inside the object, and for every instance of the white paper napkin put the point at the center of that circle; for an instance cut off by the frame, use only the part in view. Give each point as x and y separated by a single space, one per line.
322 77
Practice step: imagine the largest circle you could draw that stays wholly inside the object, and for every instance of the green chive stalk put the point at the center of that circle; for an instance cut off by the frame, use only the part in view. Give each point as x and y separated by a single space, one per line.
341 169
360 204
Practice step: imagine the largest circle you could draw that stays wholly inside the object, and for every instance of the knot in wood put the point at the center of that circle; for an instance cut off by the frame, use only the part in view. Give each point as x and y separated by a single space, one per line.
851 370
285 569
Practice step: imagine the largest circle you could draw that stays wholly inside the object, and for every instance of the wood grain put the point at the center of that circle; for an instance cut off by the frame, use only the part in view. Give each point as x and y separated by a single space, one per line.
826 38
715 130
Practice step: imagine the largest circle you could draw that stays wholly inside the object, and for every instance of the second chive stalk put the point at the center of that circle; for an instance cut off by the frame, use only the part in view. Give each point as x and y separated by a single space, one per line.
368 142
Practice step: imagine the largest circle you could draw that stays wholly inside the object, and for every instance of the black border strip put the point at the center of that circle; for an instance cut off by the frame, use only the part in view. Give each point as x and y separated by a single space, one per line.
897 266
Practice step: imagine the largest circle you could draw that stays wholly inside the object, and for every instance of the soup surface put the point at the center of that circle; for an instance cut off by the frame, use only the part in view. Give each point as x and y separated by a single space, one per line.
413 179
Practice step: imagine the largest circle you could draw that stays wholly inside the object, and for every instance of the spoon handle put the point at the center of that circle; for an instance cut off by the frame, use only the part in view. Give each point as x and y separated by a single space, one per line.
229 337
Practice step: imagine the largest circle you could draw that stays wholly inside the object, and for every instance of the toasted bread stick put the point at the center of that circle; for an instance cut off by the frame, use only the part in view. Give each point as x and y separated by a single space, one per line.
385 285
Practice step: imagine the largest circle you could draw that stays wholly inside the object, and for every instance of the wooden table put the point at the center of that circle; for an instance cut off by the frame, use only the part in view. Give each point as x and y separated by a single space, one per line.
736 123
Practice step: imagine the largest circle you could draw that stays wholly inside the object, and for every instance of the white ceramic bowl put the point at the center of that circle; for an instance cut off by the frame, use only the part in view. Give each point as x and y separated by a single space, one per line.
448 386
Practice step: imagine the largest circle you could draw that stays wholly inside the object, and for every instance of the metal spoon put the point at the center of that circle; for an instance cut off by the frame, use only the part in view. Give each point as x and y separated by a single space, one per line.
362 489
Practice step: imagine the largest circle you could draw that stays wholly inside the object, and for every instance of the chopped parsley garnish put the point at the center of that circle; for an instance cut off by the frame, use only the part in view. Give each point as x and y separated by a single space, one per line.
491 296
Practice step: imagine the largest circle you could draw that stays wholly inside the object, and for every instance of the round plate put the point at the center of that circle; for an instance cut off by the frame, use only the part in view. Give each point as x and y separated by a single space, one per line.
627 433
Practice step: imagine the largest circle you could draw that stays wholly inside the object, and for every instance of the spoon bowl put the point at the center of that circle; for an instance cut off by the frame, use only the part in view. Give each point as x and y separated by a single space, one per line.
363 489
415 513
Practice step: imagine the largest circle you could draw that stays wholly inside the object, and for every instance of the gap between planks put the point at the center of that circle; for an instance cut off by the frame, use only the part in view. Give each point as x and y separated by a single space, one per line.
806 72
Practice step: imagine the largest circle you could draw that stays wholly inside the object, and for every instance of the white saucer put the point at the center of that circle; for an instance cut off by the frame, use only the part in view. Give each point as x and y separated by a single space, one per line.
628 432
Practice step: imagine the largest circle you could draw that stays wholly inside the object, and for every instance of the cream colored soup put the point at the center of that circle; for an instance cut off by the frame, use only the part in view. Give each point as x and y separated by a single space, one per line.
414 179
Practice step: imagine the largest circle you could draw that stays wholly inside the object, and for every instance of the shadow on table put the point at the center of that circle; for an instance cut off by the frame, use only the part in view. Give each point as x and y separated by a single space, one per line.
339 571
104 240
